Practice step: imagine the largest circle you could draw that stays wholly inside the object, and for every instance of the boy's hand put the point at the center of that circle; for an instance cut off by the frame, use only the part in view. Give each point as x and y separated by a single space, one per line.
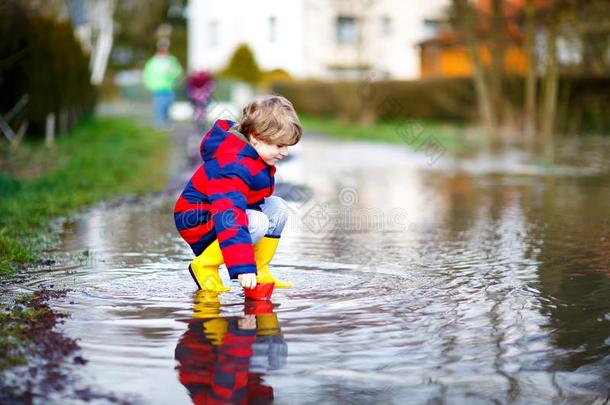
247 322
247 280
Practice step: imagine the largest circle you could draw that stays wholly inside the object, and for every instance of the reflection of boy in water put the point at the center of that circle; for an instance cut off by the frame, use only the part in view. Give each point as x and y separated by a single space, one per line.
222 360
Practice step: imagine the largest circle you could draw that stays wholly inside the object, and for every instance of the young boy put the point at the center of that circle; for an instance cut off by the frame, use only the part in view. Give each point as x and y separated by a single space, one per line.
226 212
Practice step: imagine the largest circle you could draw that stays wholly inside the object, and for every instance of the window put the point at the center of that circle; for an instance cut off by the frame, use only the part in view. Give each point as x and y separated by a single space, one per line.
272 29
431 28
386 25
346 30
213 34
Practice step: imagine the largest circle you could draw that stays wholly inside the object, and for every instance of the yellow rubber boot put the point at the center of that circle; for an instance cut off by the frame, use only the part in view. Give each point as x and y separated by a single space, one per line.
215 330
207 305
264 250
204 269
267 324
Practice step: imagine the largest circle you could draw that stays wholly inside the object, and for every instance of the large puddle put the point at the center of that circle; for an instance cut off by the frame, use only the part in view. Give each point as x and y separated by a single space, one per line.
478 280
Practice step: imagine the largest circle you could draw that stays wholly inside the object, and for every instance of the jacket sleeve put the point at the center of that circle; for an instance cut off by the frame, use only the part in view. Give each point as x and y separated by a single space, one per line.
227 189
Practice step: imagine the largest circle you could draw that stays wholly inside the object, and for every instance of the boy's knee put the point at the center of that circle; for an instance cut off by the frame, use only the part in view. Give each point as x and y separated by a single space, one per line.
258 224
277 210
277 203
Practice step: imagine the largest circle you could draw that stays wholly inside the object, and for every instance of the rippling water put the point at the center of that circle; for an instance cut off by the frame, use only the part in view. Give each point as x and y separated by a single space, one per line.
465 280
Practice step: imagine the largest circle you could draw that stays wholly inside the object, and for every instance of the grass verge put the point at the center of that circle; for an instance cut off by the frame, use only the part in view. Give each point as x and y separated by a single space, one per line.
99 159
30 319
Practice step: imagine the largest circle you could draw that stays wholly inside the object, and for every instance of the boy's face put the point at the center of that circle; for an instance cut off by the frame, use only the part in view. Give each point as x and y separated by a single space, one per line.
270 153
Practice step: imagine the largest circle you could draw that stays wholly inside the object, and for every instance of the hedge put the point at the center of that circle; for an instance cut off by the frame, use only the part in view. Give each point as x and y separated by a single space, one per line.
42 58
583 105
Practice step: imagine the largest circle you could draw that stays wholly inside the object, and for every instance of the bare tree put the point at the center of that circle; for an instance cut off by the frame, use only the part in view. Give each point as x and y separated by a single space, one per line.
496 48
591 22
551 80
100 15
530 79
466 24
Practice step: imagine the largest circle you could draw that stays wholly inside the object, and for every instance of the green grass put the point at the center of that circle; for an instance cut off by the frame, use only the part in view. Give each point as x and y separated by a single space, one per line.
27 327
413 133
13 332
100 159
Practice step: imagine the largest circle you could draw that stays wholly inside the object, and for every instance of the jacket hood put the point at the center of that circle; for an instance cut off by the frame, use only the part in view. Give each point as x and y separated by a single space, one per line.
221 142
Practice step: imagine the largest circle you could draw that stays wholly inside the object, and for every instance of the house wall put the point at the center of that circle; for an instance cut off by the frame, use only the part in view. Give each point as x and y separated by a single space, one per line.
217 27
306 42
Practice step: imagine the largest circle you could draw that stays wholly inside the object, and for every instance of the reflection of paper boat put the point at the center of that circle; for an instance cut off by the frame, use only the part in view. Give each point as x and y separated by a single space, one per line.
253 307
261 292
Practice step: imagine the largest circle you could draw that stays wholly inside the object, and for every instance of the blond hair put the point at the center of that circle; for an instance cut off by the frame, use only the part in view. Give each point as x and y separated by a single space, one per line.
271 119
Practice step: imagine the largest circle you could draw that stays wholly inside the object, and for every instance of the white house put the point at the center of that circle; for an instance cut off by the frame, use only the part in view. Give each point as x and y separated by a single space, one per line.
327 39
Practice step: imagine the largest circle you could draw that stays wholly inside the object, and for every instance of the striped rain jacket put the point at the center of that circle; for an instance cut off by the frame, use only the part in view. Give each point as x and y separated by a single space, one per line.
232 178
